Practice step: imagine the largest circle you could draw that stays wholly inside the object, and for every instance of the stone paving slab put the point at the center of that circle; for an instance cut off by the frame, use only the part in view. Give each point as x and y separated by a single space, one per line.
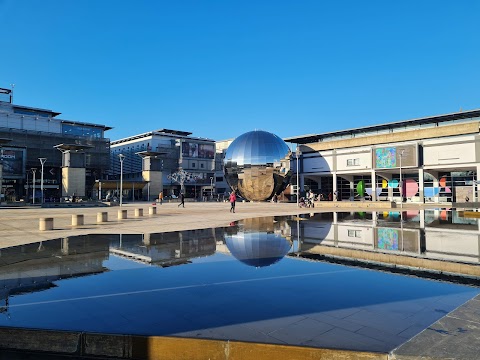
455 336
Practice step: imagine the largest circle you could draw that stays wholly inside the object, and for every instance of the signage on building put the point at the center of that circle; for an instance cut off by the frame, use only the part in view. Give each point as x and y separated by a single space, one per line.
13 162
393 157
195 150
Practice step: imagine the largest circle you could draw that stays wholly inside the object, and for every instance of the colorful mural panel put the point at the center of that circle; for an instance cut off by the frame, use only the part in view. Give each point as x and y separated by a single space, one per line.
387 239
386 158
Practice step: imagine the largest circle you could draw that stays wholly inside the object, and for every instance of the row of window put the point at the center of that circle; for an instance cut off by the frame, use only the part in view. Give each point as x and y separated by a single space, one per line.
355 233
84 131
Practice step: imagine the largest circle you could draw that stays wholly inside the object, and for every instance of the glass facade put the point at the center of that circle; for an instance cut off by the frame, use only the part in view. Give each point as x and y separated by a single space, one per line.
82 130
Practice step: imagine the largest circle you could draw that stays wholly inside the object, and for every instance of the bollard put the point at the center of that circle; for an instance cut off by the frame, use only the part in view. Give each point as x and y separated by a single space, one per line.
102 217
45 224
77 220
122 214
138 212
152 210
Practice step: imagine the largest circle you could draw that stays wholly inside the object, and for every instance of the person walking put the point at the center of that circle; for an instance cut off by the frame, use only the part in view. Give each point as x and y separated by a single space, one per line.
160 197
233 198
182 200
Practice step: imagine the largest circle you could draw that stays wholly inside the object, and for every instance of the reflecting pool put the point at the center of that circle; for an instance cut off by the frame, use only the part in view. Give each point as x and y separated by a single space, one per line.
254 280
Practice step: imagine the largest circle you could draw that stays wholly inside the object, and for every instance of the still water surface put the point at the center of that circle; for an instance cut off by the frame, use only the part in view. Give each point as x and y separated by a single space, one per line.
243 282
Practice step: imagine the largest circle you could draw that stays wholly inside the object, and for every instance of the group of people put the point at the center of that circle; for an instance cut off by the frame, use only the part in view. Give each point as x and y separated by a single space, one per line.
322 197
311 197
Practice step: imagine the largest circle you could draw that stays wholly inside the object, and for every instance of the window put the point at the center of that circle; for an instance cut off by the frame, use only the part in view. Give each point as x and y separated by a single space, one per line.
353 162
355 233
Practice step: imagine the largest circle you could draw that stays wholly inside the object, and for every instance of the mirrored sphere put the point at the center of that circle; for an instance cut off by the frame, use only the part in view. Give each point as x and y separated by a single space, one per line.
257 165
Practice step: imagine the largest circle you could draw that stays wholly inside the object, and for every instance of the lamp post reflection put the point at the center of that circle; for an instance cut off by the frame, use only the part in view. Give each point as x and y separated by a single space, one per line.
298 235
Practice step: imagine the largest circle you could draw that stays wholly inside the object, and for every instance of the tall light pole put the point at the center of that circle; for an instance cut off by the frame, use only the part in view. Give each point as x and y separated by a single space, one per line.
401 182
34 170
211 187
42 161
121 157
401 194
99 182
298 153
28 188
2 198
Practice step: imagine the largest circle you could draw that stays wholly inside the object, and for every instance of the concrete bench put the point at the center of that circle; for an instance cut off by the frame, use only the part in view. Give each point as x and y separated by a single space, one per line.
138 212
45 224
122 214
77 219
152 210
102 217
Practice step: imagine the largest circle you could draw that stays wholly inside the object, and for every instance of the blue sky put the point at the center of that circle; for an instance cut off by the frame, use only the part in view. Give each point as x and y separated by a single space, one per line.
221 68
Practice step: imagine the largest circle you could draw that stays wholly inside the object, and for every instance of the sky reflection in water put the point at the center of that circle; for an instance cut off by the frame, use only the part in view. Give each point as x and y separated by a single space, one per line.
237 282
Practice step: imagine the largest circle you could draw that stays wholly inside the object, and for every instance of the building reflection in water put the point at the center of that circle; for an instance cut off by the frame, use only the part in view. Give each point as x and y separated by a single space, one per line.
437 240
166 249
37 266
259 242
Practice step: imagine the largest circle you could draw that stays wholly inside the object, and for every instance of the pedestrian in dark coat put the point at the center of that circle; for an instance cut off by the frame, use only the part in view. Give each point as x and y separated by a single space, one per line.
182 200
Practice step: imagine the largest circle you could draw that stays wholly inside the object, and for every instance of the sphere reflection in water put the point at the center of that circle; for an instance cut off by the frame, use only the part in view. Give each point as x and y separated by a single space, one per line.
259 242
258 249
257 165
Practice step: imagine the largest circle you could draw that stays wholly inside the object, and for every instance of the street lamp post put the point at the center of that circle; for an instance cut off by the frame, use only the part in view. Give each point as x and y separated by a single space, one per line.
2 198
401 194
34 170
42 162
121 157
298 153
211 187
99 189
27 199
401 182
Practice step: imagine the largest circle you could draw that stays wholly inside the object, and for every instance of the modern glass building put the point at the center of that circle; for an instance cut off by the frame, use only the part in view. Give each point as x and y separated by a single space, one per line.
28 133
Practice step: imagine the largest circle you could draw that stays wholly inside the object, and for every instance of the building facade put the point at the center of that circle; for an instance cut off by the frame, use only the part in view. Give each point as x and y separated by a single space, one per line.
28 134
432 159
174 152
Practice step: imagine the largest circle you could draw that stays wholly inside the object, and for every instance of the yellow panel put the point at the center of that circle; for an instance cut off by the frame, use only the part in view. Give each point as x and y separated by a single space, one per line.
154 348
